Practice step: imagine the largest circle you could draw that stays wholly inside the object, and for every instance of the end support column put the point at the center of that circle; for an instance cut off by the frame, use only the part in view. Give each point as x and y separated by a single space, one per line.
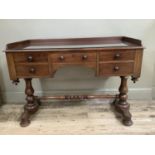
122 106
31 106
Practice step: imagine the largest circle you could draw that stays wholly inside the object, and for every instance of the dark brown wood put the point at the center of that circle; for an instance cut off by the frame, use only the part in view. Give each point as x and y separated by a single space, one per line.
32 70
18 44
132 40
122 106
107 56
11 66
137 65
77 97
67 44
31 105
113 69
73 57
30 57
117 55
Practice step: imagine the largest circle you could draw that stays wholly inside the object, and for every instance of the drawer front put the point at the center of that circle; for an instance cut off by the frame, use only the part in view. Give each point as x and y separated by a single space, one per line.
73 57
116 55
30 57
56 66
112 69
32 70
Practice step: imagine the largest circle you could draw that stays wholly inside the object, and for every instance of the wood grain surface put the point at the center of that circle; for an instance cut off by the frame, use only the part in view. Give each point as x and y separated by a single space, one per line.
95 117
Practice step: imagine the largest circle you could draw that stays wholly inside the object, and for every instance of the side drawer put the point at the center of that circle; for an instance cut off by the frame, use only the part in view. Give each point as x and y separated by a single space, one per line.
116 69
117 55
30 57
32 70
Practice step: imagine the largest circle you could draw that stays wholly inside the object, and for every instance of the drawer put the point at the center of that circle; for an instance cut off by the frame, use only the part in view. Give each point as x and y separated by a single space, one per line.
73 57
56 66
32 70
116 55
120 69
30 57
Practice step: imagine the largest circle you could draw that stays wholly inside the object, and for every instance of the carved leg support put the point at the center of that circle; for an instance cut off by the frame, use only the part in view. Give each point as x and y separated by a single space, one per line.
122 105
31 105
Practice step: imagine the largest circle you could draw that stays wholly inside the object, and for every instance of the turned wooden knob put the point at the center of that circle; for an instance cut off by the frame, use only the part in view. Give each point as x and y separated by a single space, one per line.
32 70
29 58
84 57
117 56
116 68
61 58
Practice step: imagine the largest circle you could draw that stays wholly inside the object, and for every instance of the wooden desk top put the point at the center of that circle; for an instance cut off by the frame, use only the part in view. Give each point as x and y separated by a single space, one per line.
104 43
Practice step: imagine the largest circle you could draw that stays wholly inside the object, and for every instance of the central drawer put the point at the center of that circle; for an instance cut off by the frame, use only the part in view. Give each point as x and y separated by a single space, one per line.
73 57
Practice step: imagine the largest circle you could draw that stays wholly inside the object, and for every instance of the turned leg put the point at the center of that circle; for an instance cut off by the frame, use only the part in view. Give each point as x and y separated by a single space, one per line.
31 106
122 106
